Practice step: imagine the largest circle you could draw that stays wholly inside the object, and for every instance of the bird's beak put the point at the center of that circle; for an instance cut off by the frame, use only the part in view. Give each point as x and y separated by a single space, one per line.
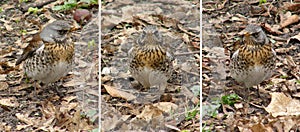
247 38
247 34
243 32
73 28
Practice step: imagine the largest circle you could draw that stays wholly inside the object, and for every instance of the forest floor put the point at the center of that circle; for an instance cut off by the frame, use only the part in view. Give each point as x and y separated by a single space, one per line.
276 108
74 106
123 106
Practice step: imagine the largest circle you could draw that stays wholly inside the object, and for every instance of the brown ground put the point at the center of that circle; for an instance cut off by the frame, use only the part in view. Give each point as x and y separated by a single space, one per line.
276 109
75 105
122 106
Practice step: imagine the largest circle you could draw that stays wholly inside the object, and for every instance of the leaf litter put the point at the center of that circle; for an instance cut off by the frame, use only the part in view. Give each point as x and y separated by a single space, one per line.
23 108
276 109
123 106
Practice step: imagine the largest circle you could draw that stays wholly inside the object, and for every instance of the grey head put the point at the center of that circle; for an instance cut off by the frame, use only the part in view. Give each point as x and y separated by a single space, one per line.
150 35
254 34
55 31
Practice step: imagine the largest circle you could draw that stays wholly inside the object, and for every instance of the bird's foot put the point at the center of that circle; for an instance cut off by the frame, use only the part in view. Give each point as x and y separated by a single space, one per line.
154 89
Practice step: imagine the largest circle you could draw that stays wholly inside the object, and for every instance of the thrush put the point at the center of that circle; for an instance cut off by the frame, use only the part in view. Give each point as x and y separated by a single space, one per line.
50 54
150 62
254 60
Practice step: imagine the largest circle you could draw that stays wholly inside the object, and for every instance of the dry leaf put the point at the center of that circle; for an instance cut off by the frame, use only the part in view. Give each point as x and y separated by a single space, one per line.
6 24
74 82
258 128
290 20
3 85
150 112
285 50
297 95
111 123
290 61
11 102
272 29
48 109
67 107
69 98
238 105
117 93
166 106
173 127
20 127
297 37
288 125
292 6
2 77
282 105
24 118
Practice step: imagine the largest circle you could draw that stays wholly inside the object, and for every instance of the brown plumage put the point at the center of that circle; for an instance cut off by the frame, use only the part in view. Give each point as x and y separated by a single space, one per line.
254 60
150 62
50 54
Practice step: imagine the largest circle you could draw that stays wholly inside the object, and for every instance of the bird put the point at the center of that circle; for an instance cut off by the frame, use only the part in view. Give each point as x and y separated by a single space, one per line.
150 62
254 59
49 54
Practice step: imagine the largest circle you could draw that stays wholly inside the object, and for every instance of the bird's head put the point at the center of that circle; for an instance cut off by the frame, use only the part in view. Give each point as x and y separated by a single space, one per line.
150 35
254 35
56 31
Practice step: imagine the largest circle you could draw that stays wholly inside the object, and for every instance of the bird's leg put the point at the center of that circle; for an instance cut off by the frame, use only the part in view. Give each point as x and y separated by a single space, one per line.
136 85
258 91
37 88
154 89
59 92
248 100
155 93
35 85
158 88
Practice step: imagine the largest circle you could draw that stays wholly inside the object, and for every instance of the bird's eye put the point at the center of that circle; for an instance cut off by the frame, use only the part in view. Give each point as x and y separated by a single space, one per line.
255 35
62 32
143 34
156 33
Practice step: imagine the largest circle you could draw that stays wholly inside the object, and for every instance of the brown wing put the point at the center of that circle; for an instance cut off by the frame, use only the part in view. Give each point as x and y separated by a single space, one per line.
33 45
